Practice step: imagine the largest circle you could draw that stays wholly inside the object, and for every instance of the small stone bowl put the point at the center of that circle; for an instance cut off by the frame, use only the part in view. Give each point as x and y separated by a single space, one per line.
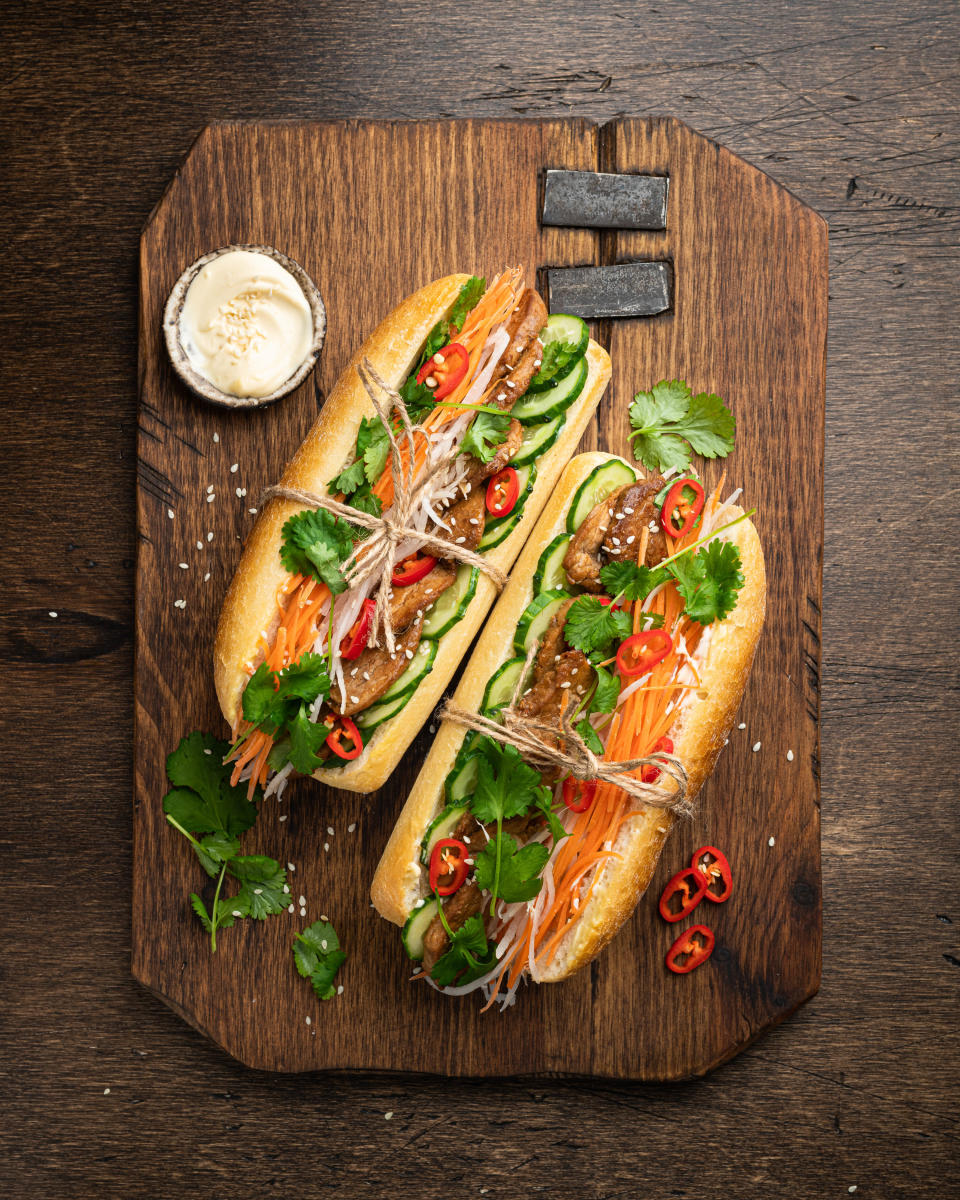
202 386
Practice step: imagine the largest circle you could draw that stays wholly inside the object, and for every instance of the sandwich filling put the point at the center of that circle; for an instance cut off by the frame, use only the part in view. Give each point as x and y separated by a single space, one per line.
319 683
613 641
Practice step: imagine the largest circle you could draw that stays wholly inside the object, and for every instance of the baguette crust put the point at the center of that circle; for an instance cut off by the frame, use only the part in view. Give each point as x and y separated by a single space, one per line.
698 734
250 607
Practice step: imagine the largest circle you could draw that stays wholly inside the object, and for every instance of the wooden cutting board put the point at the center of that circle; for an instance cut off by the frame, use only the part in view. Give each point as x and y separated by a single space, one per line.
374 210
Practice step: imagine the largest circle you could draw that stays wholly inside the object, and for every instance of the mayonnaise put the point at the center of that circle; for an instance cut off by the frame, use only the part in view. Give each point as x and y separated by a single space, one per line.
245 325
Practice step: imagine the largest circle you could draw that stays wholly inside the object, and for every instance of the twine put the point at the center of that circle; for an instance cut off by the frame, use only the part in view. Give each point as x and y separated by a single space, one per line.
576 758
388 531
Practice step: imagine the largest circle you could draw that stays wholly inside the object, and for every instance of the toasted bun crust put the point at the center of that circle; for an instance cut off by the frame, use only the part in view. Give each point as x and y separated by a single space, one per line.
698 734
250 607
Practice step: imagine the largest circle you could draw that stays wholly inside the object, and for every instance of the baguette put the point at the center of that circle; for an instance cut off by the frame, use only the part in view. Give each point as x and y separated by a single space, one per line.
698 733
250 614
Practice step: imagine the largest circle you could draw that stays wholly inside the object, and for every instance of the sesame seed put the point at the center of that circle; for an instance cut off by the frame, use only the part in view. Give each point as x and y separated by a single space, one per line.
106 1091
408 653
282 818
618 516
239 493
291 867
209 488
756 747
237 912
474 520
286 889
258 891
460 541
308 1020
324 917
339 989
302 900
326 846
742 725
179 604
303 911
628 511
510 383
243 491
252 511
354 699
351 828
170 513
216 437
330 830
206 577
771 841
53 614
438 358
387 1116
290 909
565 684
366 674
789 756
233 469
631 539
199 545
210 499
182 566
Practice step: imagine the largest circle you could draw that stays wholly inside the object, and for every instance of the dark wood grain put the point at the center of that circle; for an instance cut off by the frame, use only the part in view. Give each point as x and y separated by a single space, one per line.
748 319
853 107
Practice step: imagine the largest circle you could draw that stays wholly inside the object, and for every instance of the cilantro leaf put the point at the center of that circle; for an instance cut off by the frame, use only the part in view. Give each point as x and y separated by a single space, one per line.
709 581
470 955
417 396
555 355
607 692
544 802
467 300
318 957
261 893
271 700
214 850
364 500
350 478
592 626
508 873
669 423
629 580
589 735
486 434
306 738
202 799
506 786
315 543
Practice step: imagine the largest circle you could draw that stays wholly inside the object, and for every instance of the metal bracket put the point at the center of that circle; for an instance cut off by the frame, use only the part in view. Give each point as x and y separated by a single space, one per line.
638 289
599 201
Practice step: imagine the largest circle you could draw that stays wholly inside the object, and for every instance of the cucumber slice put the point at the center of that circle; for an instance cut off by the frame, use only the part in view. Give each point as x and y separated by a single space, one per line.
450 605
537 439
534 407
550 573
376 714
572 336
417 924
500 688
462 780
497 530
602 482
441 827
536 617
420 665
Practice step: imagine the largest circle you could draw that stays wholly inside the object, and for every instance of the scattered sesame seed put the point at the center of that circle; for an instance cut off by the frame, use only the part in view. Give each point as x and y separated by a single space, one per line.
290 909
208 752
771 841
216 437
354 699
303 900
206 577
789 756
565 684
209 488
106 1091
239 493
170 513
756 747
628 511
351 828
199 545
182 566
330 830
339 989
291 867
53 614
233 469
210 499
252 511
303 910
742 725
179 604
326 847
282 818
286 889
237 912
308 1020
387 1116
408 653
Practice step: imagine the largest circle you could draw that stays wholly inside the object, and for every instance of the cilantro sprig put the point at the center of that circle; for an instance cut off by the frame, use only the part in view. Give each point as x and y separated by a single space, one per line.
317 543
318 957
670 423
487 433
593 627
211 814
470 954
279 702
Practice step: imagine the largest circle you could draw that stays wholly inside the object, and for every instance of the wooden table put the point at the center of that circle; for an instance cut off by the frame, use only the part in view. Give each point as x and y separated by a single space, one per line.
106 1092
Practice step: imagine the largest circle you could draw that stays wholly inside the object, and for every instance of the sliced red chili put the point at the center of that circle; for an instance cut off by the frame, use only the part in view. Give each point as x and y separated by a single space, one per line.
502 492
352 645
650 773
686 510
344 730
578 794
717 877
690 949
445 369
618 605
682 894
412 569
448 866
641 652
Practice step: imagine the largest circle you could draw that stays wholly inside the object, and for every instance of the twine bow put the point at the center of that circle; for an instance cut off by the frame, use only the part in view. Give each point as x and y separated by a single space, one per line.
574 757
377 555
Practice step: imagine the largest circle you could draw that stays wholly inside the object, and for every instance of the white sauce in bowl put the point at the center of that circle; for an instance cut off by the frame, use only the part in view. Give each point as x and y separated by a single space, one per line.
245 325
